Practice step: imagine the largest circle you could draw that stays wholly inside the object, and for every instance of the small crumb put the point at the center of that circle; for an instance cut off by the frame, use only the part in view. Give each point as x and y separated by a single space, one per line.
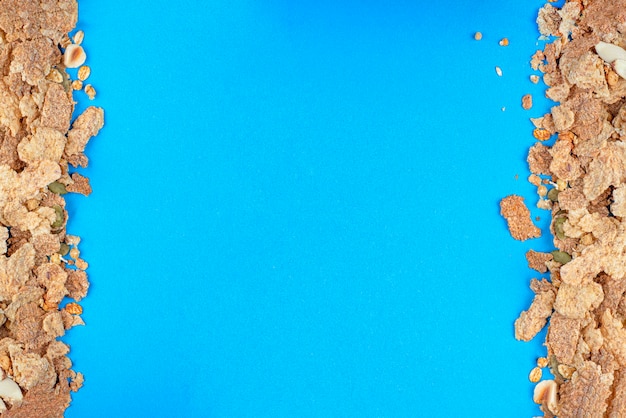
517 177
503 109
504 42
478 36
537 218
534 78
527 102
499 71
84 72
78 37
535 375
91 92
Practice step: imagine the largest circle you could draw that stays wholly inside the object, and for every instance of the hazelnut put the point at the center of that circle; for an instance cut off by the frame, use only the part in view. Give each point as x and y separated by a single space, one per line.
545 394
10 391
74 56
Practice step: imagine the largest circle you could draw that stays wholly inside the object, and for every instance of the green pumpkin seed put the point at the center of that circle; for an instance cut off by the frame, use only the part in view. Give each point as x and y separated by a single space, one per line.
561 256
558 227
60 220
56 187
64 249
553 195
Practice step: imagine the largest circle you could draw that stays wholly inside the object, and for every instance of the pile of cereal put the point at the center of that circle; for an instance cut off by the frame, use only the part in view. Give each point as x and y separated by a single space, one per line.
40 263
581 179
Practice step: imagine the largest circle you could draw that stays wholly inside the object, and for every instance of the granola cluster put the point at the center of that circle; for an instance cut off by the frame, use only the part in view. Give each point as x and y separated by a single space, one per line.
583 175
40 263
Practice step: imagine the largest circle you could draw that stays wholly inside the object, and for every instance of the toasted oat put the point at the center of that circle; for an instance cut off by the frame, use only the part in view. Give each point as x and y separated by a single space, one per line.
499 71
535 375
78 37
541 134
478 36
83 73
74 308
77 85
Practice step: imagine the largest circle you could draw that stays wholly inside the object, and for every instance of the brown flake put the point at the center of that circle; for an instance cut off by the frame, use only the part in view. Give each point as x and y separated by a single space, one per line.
548 20
80 185
517 215
33 59
85 127
572 199
537 260
539 159
533 320
587 393
42 402
563 165
605 170
563 335
77 284
574 301
57 109
617 406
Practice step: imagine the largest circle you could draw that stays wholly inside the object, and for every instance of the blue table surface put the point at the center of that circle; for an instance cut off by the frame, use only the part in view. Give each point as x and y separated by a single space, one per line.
295 209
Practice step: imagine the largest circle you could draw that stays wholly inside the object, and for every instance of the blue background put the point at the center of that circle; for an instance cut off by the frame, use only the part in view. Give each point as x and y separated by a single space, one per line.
295 209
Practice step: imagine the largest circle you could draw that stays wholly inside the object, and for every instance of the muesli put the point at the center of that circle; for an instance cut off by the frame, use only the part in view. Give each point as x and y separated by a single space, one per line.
39 262
583 298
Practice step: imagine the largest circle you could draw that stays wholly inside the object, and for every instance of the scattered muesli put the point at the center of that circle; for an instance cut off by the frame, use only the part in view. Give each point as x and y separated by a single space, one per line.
38 144
584 300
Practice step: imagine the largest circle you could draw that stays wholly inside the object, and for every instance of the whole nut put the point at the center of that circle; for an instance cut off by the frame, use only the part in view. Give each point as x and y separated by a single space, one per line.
74 56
